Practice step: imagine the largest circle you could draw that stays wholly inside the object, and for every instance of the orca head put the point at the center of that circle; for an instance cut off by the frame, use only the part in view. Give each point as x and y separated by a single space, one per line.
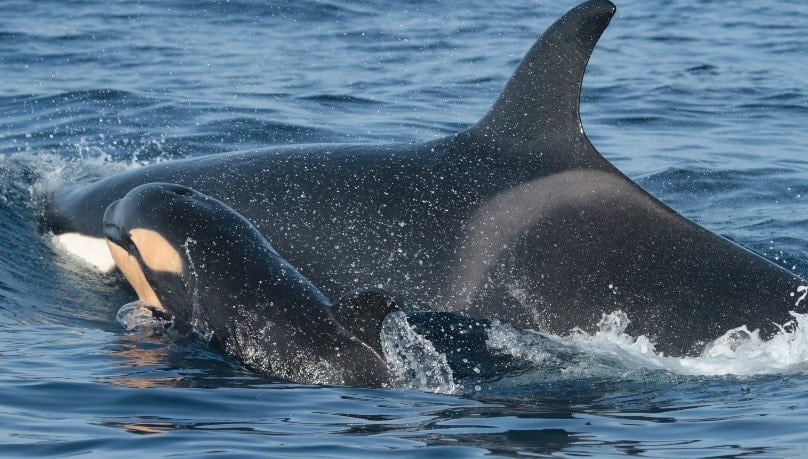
150 233
187 253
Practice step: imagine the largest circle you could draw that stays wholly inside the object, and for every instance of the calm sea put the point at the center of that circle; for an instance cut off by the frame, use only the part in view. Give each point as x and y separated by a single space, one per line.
703 103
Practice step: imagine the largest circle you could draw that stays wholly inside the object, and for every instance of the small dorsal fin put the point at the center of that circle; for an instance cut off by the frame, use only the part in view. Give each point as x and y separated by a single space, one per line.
541 100
362 313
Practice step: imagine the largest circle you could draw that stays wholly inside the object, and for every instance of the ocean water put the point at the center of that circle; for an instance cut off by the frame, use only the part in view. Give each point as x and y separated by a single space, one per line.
703 103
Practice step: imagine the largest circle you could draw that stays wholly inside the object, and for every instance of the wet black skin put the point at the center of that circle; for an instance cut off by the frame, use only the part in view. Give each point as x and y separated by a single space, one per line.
517 218
259 309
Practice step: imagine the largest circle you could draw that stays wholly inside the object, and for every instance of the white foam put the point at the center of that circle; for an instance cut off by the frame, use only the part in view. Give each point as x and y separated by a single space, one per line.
738 352
92 250
743 352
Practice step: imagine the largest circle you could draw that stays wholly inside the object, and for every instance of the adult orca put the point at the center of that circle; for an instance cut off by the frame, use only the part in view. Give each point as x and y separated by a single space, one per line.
191 258
517 218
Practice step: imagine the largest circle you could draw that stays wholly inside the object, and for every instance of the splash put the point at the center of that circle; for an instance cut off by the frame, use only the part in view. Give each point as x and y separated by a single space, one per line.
526 345
739 351
742 352
551 357
413 360
801 289
139 318
612 334
31 177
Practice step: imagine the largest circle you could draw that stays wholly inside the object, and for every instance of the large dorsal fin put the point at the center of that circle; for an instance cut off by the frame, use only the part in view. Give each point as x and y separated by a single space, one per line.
362 313
541 100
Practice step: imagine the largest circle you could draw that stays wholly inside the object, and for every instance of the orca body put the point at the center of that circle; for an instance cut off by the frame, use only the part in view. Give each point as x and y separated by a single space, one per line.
518 218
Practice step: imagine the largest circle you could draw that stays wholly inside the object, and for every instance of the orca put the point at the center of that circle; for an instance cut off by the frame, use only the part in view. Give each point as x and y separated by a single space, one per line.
193 260
517 218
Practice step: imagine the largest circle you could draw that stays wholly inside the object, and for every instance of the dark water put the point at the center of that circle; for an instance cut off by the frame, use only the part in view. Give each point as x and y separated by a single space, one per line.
704 103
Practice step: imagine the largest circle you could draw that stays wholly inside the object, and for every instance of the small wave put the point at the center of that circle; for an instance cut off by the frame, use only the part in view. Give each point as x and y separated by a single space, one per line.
702 180
704 69
70 97
334 100
305 11
670 38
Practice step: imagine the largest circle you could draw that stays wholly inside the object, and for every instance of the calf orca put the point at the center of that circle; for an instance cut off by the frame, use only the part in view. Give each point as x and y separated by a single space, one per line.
193 259
517 218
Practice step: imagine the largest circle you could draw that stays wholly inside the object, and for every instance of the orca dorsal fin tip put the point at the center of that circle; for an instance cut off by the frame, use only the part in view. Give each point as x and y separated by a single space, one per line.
542 98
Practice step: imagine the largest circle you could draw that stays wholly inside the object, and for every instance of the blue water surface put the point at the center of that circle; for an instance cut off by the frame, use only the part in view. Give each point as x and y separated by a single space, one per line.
703 103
